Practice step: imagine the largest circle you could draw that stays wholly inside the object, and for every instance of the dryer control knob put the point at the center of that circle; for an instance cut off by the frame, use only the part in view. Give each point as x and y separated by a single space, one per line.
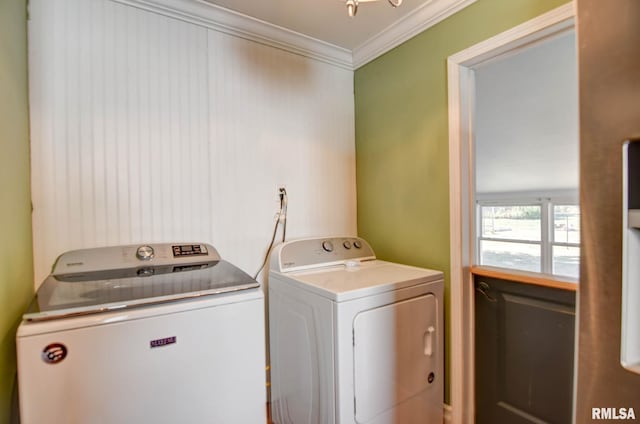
327 246
357 244
144 253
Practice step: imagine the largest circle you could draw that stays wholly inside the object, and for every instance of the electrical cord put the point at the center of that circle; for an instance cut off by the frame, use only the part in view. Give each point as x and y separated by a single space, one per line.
283 211
282 215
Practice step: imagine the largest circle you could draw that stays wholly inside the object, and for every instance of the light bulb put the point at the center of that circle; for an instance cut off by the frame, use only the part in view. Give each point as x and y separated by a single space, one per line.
352 7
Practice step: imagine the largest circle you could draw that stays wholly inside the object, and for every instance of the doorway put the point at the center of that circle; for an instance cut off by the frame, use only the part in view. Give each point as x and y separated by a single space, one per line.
463 211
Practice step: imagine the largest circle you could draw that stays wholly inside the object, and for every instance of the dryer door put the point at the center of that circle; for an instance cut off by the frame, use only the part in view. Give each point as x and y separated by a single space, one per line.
395 353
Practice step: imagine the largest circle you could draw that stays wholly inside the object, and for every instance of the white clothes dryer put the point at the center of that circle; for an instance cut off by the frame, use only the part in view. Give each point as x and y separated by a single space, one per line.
158 333
353 339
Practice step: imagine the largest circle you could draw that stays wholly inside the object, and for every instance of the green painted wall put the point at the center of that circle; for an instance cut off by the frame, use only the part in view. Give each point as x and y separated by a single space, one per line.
16 268
402 145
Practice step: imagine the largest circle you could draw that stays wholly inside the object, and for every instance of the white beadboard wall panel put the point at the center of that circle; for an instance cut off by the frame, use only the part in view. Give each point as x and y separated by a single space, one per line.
146 128
284 120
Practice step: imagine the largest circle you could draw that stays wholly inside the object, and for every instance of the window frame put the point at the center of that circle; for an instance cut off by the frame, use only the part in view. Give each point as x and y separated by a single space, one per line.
552 236
547 236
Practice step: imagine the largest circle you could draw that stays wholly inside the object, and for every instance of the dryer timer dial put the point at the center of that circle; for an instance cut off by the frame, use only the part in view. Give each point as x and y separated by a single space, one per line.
327 246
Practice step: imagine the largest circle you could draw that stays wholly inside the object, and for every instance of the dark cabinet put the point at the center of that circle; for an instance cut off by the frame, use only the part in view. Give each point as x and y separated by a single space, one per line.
524 341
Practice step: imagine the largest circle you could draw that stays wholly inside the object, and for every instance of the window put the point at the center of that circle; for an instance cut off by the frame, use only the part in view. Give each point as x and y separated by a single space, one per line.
565 242
539 236
511 237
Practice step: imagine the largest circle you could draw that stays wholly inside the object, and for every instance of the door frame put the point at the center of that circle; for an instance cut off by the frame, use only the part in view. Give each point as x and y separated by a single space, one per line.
461 90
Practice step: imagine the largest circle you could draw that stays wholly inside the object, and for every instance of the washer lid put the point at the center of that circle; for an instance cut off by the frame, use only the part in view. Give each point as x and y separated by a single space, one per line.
359 279
62 296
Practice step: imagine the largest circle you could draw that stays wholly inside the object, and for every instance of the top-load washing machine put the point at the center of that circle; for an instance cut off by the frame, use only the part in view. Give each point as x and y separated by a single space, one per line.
353 339
159 333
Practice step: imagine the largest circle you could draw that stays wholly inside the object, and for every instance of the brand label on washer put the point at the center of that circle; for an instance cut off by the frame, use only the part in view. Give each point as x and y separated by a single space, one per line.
162 342
54 353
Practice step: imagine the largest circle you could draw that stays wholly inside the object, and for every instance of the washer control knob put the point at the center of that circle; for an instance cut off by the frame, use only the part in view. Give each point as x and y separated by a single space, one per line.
357 244
327 246
347 244
145 253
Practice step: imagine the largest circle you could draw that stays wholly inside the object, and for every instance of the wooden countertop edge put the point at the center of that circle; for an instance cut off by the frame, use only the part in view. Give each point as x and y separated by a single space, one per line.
525 277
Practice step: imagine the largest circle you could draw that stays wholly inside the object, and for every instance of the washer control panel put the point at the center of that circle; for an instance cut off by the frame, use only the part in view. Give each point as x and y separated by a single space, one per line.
303 254
134 256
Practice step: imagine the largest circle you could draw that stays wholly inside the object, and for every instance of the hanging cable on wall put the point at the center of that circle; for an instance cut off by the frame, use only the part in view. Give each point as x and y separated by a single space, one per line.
281 217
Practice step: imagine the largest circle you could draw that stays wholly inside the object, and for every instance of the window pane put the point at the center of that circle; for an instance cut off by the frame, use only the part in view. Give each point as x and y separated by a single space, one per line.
511 222
566 261
521 256
566 224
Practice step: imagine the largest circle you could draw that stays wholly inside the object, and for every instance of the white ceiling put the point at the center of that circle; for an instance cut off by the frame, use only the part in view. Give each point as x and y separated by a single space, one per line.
327 20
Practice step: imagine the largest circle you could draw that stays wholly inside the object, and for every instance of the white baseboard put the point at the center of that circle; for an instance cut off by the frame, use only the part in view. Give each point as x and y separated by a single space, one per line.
448 413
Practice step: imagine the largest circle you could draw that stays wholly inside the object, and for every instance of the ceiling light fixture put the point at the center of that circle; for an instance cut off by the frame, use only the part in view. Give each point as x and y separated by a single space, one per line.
352 5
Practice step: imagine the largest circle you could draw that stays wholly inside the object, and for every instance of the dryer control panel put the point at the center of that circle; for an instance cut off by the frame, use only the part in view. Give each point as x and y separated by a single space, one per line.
297 255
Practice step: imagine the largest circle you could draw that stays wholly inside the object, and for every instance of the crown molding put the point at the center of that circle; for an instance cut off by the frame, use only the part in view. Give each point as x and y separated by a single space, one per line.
409 26
237 24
